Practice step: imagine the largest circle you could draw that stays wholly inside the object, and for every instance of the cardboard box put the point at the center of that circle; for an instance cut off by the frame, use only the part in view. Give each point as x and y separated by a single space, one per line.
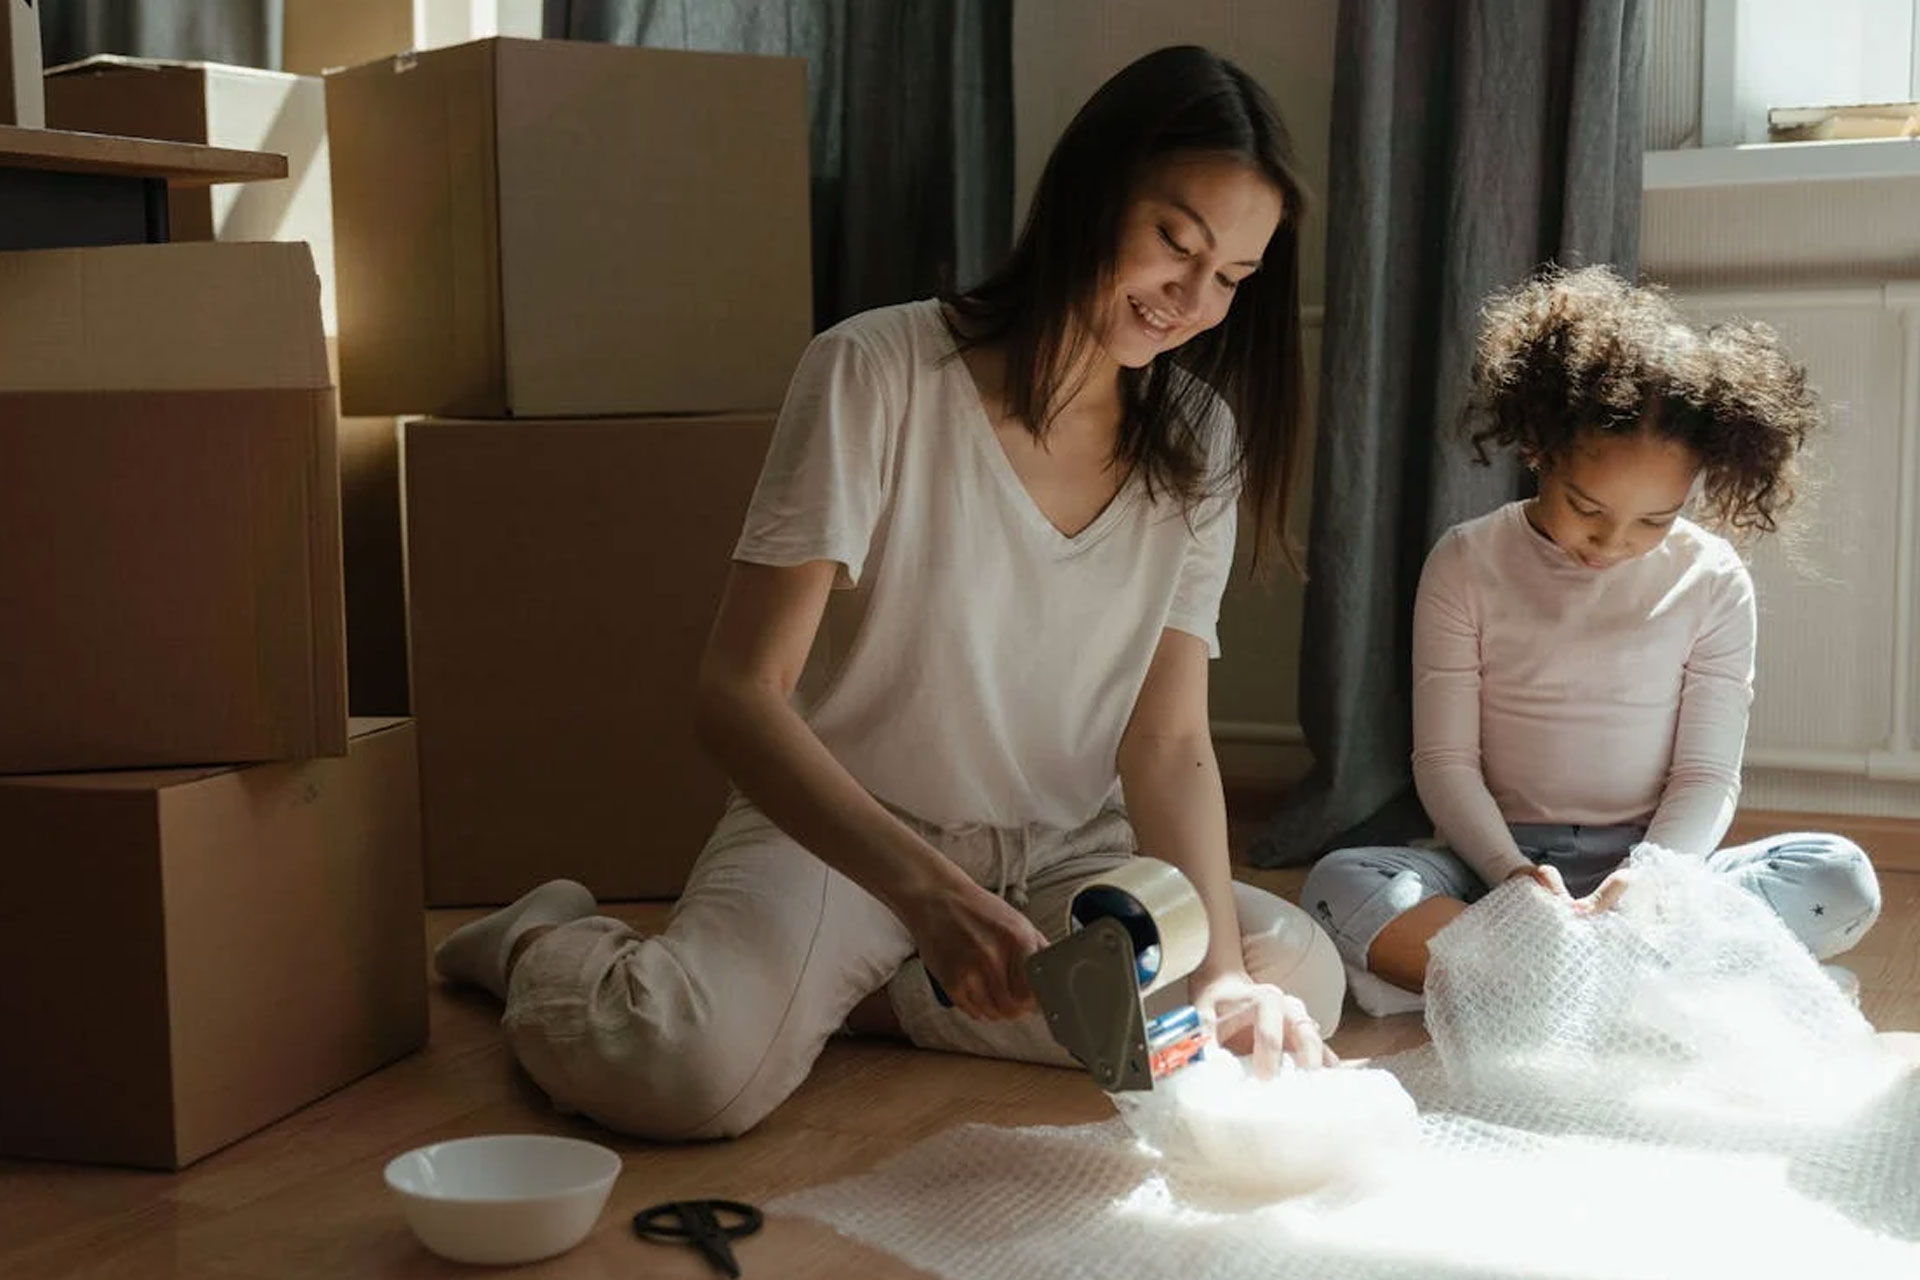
170 509
21 102
326 35
544 228
564 576
193 954
218 106
375 563
373 548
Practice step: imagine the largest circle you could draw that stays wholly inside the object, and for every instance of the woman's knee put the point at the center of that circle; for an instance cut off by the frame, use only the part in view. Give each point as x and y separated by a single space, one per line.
1282 945
616 1027
706 1084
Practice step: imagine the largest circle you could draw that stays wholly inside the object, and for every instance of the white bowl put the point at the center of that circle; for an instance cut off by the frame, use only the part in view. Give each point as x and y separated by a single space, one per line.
503 1199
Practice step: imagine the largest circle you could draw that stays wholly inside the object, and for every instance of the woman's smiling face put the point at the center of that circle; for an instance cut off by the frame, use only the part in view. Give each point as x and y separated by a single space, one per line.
1194 230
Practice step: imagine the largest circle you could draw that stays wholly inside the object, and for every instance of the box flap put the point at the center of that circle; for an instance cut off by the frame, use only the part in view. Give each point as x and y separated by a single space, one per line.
171 317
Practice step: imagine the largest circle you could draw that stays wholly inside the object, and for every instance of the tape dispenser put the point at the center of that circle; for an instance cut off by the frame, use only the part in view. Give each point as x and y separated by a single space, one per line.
1131 932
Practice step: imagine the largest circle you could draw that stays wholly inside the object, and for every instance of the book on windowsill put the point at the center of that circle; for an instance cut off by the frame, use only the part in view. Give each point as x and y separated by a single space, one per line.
1827 124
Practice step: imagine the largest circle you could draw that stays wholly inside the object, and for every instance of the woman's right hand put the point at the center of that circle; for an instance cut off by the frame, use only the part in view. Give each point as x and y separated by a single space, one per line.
1546 877
976 946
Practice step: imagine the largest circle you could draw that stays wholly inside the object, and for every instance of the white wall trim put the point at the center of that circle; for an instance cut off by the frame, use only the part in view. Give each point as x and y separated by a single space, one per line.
1754 163
1893 295
1876 766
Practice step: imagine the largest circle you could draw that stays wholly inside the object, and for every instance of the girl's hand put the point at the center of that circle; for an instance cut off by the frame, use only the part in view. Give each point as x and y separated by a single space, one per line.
1546 877
1608 895
1258 1020
976 946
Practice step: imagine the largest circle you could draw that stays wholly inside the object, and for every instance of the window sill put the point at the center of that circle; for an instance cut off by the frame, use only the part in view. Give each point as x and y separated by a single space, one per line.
1770 162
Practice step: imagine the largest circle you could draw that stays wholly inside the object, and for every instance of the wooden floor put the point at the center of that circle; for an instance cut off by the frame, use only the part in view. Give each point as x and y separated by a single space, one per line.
305 1198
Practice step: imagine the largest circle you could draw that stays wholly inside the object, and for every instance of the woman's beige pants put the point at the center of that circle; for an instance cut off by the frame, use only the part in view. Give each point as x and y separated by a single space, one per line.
702 1030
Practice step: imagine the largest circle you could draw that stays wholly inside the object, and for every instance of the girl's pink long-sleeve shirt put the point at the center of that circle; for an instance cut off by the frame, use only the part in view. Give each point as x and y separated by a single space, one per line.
1545 691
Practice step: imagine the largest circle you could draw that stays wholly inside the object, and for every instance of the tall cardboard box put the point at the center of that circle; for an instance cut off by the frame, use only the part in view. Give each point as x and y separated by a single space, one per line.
169 509
374 550
193 954
564 576
20 97
547 228
325 35
219 106
375 564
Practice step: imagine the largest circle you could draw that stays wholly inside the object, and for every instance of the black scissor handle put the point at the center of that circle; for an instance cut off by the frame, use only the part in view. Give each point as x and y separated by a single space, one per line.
692 1219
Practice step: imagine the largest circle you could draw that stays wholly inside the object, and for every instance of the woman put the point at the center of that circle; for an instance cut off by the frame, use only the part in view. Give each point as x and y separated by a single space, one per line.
1027 493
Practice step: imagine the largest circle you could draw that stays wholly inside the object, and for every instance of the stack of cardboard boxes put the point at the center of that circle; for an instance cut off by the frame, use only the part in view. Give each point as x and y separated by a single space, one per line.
588 265
213 904
591 263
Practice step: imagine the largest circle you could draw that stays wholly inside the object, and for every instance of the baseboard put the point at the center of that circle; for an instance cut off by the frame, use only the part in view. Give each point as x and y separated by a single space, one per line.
1892 843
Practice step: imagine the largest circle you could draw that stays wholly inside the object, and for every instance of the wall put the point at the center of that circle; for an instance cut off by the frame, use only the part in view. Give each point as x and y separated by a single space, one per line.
1062 51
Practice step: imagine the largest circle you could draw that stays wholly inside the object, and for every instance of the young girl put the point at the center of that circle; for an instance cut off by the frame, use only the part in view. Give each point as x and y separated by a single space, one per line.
1028 495
1583 661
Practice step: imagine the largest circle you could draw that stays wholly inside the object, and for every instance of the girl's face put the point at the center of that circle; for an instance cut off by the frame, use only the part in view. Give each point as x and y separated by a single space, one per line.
1195 229
1613 497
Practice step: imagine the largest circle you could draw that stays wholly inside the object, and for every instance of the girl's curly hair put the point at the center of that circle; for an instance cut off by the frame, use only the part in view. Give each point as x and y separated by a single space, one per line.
1573 351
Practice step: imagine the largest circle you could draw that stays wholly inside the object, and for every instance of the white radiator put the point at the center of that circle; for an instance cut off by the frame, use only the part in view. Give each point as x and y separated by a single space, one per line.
1837 692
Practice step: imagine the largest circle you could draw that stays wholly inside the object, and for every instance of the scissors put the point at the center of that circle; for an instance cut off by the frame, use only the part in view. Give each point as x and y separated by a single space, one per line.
711 1226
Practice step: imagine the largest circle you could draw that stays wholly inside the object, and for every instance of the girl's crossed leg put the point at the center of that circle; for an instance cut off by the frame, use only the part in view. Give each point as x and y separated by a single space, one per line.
1383 904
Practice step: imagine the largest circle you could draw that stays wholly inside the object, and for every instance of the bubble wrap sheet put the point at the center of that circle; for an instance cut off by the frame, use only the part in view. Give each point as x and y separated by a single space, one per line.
1672 1089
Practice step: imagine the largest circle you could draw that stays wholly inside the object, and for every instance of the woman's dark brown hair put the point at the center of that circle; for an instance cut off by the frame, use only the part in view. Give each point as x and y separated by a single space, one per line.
1037 306
1574 351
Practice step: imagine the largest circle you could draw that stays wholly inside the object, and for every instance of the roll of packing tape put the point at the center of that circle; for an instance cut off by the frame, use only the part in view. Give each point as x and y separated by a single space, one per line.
1161 911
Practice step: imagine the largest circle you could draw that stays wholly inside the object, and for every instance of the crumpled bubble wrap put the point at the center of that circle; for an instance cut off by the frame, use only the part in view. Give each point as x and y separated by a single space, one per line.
1671 1089
1297 1132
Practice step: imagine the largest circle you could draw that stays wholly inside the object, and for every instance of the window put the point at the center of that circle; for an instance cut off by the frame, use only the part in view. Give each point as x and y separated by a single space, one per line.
1760 54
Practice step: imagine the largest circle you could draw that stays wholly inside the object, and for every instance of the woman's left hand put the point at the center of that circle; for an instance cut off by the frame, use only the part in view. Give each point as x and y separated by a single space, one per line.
1259 1020
1608 895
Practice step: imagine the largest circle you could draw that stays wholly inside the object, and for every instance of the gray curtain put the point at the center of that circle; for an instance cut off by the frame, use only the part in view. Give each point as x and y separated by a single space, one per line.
242 33
1471 142
911 111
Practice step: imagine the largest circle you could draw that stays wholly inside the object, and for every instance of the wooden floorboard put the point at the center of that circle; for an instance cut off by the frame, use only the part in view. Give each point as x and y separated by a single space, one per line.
305 1198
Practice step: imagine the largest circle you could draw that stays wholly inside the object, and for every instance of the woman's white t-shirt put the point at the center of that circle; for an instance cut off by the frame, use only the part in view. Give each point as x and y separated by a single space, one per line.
984 664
